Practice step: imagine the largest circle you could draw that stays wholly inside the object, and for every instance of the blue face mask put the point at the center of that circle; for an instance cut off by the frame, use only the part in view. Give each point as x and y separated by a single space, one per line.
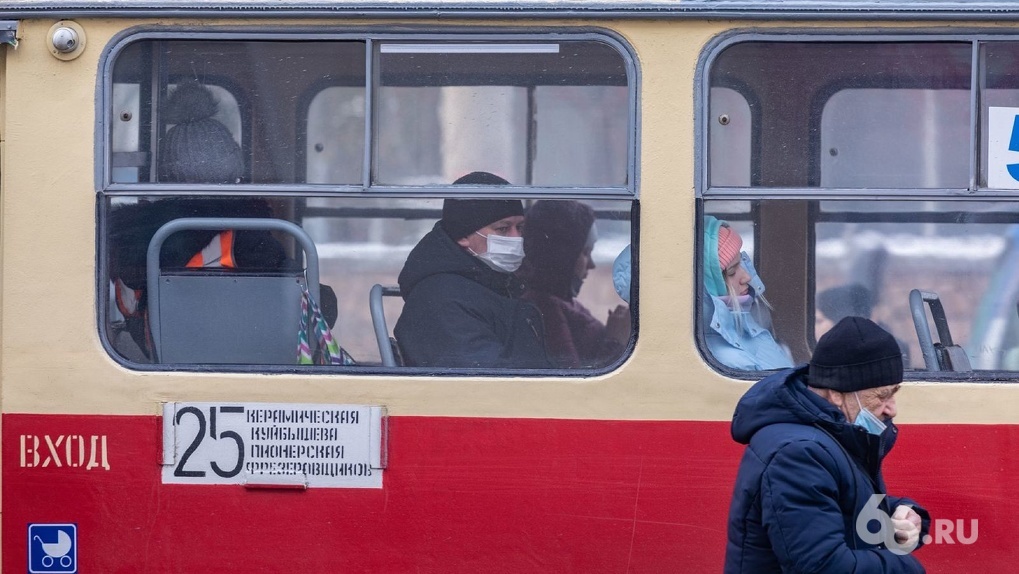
755 284
868 421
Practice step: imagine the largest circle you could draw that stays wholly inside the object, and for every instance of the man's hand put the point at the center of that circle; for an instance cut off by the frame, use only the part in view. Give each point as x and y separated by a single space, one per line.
906 522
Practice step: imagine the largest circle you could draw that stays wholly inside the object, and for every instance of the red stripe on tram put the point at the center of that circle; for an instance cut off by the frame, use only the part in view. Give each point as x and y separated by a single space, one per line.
472 495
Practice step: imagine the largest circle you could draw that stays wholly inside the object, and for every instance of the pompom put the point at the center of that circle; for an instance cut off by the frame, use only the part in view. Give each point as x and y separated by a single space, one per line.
198 148
190 102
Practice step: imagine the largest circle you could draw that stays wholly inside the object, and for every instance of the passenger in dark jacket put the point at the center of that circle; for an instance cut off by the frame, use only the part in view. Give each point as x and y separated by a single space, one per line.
462 305
559 238
816 436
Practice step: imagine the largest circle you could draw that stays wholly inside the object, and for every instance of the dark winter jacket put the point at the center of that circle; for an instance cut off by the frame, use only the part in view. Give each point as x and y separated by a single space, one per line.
458 312
557 233
574 338
805 477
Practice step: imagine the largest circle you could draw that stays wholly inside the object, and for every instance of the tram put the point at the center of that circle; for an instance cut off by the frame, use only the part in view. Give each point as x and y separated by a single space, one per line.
157 418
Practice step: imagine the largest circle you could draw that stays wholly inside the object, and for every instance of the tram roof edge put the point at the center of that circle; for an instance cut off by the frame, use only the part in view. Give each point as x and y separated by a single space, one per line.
743 9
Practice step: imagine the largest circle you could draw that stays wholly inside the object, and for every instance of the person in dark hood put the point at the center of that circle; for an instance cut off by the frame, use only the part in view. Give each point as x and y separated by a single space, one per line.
809 495
462 305
558 243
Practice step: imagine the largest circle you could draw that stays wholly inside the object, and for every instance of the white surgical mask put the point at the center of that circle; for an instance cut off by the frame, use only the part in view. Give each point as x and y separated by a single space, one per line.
867 420
505 254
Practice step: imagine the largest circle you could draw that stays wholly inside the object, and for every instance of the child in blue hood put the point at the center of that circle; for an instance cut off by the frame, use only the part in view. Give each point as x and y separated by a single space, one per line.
733 330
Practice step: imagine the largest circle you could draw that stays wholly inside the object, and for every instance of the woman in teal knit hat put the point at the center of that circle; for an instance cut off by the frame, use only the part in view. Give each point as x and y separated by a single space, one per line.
732 329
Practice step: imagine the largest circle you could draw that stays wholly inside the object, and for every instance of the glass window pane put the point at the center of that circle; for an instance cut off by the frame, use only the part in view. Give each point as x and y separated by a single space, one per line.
864 259
359 242
225 112
999 107
960 251
545 114
824 113
239 120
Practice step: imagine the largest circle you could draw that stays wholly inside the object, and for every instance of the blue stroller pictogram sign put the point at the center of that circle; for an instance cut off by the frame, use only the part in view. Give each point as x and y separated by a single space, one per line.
52 548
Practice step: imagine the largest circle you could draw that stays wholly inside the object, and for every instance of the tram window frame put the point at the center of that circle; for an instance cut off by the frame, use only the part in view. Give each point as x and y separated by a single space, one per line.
806 200
298 193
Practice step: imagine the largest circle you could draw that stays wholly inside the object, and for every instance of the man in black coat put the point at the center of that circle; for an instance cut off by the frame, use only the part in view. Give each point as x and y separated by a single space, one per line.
462 306
809 494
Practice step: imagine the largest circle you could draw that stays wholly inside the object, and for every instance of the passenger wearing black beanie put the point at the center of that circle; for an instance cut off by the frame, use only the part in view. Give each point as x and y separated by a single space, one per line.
816 437
462 305
462 217
856 354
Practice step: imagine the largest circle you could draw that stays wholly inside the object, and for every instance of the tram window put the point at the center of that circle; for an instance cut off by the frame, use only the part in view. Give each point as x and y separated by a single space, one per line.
306 118
260 77
545 114
865 259
791 84
125 133
966 253
859 151
359 243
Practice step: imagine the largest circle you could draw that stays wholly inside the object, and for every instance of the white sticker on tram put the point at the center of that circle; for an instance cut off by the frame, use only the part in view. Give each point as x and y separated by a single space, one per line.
1003 148
274 445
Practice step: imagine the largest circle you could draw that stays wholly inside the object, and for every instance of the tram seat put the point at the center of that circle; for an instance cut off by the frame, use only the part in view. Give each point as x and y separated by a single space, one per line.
953 358
227 316
943 355
389 349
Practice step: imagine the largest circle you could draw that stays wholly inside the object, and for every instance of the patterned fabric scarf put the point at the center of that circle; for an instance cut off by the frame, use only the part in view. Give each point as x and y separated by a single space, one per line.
312 321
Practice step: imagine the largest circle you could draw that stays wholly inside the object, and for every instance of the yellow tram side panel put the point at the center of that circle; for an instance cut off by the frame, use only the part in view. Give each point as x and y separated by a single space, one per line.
3 200
52 360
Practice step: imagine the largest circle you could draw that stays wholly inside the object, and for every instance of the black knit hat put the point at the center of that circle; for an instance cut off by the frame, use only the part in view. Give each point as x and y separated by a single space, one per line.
462 217
198 148
855 354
